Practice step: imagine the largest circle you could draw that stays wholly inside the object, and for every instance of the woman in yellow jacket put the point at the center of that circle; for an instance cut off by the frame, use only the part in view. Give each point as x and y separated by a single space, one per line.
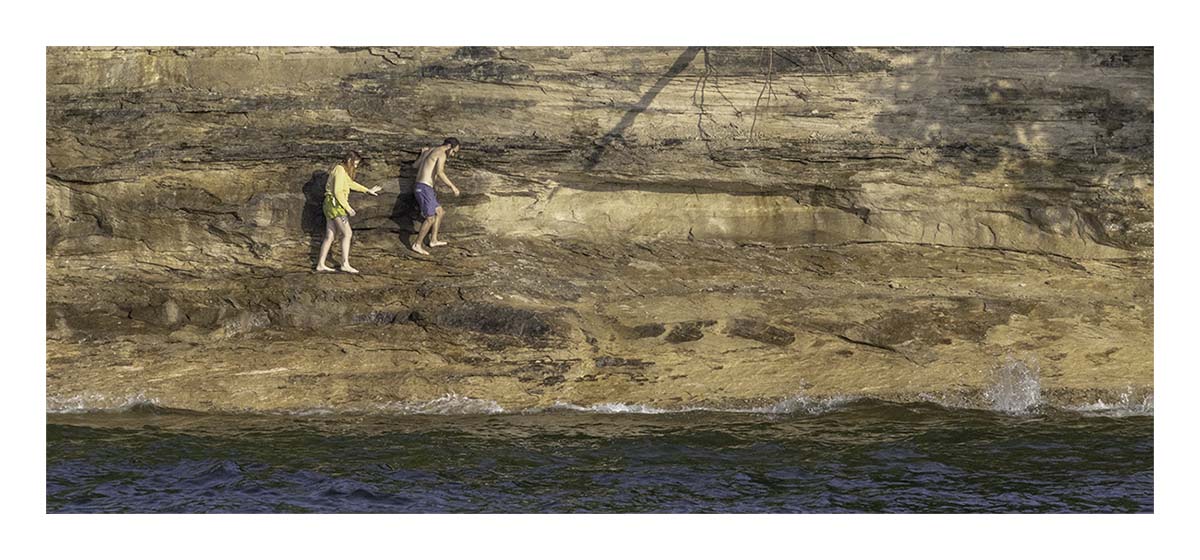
337 209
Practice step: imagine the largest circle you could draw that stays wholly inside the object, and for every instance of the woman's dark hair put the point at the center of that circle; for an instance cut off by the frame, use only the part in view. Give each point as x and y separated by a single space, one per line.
452 141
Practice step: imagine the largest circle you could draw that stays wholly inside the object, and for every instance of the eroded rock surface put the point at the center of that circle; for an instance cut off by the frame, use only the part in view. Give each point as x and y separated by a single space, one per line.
679 227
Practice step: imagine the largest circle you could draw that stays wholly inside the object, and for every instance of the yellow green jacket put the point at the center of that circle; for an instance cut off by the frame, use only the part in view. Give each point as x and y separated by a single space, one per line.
340 184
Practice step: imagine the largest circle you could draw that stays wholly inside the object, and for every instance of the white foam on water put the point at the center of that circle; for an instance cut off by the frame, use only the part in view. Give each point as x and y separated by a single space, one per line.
95 402
455 404
447 404
1016 389
619 408
787 405
609 408
1127 404
311 412
1016 386
800 403
450 404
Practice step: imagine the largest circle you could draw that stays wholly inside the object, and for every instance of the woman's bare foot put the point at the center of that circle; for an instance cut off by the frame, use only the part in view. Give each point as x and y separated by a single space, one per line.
419 249
322 268
347 268
437 243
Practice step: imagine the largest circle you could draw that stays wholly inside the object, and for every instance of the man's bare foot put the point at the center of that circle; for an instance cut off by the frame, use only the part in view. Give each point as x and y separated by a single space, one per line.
419 249
322 268
437 243
347 268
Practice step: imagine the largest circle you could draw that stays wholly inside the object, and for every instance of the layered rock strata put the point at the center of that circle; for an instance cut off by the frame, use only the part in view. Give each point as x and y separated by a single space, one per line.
672 226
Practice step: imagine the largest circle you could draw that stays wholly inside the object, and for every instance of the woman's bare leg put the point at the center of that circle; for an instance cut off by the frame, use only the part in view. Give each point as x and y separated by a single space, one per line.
343 225
325 243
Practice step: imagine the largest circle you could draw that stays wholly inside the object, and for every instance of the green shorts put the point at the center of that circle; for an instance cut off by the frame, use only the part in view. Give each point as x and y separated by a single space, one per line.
333 210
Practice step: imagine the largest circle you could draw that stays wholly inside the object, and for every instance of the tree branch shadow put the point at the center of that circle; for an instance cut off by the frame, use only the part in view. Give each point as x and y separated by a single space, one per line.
681 63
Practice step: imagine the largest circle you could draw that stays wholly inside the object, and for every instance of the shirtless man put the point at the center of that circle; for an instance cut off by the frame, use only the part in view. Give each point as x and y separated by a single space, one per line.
432 163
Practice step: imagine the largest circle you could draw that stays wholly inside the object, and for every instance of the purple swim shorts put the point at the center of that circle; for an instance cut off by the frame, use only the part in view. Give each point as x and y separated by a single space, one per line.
426 199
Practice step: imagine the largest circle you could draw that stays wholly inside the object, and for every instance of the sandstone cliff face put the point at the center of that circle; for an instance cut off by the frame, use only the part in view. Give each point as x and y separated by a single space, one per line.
668 225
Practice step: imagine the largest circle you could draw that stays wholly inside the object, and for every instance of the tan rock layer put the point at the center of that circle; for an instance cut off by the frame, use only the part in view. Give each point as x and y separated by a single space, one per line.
886 222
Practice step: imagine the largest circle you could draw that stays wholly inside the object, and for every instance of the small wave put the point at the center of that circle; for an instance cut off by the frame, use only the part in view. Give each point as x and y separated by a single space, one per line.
805 405
448 404
95 402
1016 389
1126 404
612 408
1015 392
797 404
321 411
1016 386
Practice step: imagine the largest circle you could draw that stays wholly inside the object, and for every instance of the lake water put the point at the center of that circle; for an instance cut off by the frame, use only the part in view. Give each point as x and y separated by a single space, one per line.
857 456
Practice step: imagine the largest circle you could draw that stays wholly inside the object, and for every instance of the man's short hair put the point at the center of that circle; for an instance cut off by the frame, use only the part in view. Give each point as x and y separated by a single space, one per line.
452 141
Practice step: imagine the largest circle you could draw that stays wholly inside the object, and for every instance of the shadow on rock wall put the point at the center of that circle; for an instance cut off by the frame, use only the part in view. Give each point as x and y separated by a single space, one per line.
312 220
404 213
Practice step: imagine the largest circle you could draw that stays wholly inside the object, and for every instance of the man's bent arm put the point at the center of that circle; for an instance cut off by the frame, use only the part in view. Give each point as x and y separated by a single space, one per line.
441 174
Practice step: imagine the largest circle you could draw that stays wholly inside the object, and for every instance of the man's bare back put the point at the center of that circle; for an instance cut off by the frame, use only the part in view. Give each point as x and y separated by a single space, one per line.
432 162
431 165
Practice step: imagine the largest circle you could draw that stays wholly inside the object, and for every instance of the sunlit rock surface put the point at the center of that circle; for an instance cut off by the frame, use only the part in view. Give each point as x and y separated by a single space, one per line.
668 226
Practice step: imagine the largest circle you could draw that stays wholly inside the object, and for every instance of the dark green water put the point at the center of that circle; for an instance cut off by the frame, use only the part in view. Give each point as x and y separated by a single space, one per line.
866 456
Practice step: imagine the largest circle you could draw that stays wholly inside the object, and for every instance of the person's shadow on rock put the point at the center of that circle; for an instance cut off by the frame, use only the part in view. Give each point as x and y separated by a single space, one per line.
312 221
405 213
